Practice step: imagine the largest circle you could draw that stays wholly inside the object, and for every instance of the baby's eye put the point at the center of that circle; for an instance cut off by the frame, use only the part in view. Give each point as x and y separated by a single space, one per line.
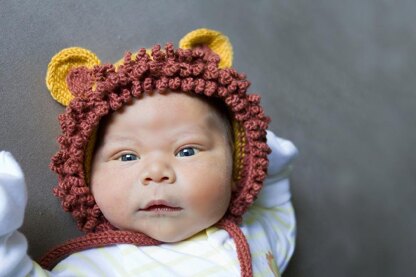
128 157
186 152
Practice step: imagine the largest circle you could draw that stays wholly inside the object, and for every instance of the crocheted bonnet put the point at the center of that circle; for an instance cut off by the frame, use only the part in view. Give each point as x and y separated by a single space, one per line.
91 90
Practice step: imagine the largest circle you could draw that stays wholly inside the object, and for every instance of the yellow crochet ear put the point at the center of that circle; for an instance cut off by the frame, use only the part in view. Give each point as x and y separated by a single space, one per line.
59 67
215 40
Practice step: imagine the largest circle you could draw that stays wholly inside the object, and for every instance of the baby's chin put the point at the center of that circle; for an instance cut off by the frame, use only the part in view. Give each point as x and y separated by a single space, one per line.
167 236
167 229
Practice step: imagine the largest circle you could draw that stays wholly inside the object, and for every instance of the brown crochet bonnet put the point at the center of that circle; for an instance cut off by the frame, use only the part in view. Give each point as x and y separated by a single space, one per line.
202 66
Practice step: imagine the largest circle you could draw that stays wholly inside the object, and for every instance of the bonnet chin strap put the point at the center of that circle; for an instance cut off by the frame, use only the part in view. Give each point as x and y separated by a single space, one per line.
107 238
94 240
243 249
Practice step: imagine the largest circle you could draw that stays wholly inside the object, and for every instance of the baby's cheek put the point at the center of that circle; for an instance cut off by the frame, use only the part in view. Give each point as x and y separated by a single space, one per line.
112 208
212 195
105 196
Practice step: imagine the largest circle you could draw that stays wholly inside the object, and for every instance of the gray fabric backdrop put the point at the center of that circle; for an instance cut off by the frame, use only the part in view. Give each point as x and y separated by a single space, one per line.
337 78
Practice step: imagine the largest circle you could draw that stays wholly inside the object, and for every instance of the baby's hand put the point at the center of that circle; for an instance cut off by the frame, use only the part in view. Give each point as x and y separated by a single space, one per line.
282 155
13 195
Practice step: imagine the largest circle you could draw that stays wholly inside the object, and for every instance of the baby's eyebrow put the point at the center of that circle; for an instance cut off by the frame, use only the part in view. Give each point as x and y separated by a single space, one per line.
120 139
213 120
209 120
188 132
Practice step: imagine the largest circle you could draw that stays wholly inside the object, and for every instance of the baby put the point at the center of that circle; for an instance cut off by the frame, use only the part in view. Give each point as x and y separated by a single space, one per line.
162 164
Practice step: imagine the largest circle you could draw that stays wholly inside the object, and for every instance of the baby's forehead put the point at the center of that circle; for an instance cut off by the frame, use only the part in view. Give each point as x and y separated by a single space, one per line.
169 109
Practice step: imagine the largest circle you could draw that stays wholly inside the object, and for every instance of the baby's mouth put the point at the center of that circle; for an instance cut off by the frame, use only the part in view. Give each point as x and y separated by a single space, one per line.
160 206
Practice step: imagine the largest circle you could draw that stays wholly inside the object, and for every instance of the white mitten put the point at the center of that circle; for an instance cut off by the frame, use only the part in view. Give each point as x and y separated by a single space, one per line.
13 195
276 189
14 260
282 155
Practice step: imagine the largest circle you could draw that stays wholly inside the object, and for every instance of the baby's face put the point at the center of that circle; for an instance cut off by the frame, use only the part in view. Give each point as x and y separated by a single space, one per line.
163 167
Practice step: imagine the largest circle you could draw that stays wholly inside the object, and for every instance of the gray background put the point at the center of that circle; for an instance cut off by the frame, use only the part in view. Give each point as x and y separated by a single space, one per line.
337 77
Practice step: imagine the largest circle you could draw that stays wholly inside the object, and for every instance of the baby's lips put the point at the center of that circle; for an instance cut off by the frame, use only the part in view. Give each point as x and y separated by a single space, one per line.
9 166
159 203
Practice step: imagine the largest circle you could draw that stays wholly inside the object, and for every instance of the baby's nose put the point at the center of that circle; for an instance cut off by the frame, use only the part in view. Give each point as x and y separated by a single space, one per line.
157 172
